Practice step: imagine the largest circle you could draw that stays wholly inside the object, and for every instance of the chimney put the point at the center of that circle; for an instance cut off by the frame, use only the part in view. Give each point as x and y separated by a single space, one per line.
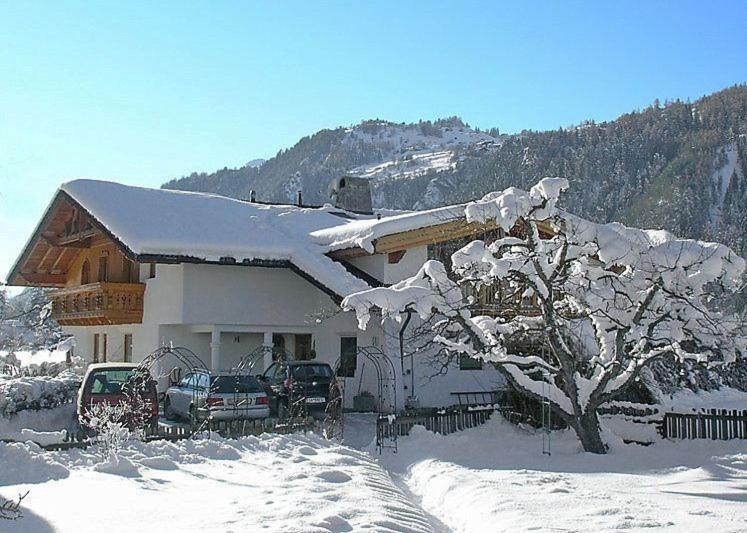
252 196
352 194
298 199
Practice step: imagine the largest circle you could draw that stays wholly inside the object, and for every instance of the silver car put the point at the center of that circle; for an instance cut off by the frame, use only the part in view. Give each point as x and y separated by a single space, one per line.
220 397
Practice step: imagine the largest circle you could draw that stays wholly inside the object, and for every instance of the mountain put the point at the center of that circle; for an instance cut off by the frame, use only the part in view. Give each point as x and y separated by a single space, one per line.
385 152
254 163
680 166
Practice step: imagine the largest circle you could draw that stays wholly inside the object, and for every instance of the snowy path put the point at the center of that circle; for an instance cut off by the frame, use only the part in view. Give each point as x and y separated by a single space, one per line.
271 483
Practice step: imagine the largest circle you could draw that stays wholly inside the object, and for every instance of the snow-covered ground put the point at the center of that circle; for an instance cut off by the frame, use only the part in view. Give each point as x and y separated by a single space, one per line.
272 483
495 478
492 478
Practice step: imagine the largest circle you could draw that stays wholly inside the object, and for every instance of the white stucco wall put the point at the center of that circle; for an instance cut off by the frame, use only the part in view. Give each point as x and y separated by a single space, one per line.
249 295
379 267
407 266
185 303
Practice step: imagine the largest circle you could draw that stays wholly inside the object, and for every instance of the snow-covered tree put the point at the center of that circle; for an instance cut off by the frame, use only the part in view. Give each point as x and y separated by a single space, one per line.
604 300
26 321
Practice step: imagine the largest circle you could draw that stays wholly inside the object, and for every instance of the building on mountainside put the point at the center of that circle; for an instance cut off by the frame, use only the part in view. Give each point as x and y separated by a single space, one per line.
135 269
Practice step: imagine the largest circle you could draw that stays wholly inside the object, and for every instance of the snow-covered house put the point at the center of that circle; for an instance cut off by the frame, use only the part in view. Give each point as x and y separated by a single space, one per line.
137 268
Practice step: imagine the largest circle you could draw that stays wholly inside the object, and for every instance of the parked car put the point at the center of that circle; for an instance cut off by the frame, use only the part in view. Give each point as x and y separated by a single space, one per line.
117 383
224 397
310 382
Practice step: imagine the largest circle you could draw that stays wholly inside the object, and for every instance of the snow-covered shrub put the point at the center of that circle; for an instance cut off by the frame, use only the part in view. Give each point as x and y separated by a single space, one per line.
110 424
35 393
11 509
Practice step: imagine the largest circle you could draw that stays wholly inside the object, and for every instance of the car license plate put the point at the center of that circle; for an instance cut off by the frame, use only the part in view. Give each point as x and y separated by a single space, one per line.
315 400
240 402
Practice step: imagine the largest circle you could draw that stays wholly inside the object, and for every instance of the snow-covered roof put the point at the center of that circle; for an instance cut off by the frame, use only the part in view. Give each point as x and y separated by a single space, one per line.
363 233
163 225
207 227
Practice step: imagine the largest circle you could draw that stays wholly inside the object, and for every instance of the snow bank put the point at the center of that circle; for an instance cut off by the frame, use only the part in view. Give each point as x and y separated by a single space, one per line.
27 463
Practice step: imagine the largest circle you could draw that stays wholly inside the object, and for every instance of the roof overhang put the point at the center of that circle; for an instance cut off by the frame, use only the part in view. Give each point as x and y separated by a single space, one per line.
433 234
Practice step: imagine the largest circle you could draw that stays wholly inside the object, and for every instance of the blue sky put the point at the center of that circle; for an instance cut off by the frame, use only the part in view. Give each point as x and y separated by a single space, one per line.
142 92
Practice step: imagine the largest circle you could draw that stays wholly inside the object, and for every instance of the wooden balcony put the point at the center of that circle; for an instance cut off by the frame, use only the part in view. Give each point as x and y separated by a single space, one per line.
97 304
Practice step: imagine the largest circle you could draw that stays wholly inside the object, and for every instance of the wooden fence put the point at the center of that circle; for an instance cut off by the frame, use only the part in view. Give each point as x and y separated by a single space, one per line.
442 422
716 424
234 428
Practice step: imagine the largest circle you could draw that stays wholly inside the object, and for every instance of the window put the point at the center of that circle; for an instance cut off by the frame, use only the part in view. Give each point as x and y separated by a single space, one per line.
234 384
128 347
203 381
85 273
103 349
109 381
348 357
95 347
130 271
271 370
103 268
469 363
311 372
303 347
152 272
188 381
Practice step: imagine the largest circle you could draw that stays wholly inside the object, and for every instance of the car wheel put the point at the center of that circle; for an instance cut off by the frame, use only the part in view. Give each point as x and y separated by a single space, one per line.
168 411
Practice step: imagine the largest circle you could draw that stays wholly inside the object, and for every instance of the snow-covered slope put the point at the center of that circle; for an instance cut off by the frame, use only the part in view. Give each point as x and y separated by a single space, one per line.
411 150
727 166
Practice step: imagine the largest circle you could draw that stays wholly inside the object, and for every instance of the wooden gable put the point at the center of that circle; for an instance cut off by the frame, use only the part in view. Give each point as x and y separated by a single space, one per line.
64 231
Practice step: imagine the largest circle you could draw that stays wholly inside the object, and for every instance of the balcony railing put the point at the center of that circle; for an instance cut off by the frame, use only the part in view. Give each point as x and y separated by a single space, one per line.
97 304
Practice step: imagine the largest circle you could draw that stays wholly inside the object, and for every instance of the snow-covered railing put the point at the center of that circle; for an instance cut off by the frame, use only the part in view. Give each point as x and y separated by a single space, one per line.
716 424
630 409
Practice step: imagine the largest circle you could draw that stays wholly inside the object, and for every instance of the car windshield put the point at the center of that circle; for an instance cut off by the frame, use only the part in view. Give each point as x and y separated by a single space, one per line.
109 381
311 371
233 384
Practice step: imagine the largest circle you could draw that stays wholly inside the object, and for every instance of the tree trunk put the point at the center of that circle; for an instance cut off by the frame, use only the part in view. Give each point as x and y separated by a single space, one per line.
587 429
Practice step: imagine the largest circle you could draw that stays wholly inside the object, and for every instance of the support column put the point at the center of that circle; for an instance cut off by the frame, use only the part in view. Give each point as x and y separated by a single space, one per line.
267 342
215 363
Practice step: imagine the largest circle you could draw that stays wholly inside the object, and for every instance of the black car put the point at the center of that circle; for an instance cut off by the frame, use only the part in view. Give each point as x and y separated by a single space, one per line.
299 387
